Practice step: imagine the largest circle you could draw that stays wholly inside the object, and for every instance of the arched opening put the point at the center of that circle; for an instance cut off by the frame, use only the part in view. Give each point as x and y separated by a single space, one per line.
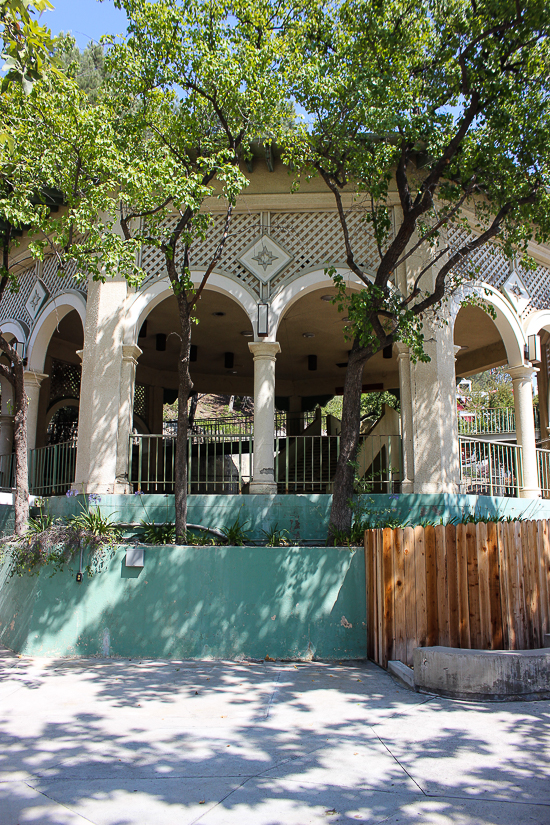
57 420
221 365
310 374
490 458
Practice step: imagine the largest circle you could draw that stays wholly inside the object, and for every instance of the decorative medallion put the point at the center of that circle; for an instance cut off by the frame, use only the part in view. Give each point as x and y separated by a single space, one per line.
36 299
516 292
264 258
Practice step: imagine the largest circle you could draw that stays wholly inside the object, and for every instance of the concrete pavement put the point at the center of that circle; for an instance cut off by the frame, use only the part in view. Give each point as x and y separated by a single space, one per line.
119 742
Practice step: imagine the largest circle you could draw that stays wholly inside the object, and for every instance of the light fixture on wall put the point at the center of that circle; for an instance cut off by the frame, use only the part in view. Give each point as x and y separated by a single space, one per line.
387 352
312 363
19 347
229 360
533 352
161 342
263 319
193 352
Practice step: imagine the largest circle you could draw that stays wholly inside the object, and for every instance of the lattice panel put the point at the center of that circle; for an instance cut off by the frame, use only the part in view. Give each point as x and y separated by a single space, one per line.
57 283
244 229
316 239
64 381
141 401
313 239
13 303
537 283
494 267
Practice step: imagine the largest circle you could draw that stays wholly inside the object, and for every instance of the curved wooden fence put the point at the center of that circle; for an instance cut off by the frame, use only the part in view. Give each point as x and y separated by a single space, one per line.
484 586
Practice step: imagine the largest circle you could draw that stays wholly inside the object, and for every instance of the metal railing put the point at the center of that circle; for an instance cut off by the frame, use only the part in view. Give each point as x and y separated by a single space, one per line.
7 472
223 463
242 424
543 470
490 467
219 463
490 421
307 464
52 469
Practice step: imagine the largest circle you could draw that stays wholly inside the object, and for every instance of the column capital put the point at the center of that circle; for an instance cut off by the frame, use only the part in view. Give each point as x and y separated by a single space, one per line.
264 350
402 351
33 378
131 353
523 371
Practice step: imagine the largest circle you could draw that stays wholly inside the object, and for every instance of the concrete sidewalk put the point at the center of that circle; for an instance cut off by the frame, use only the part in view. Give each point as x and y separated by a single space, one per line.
118 742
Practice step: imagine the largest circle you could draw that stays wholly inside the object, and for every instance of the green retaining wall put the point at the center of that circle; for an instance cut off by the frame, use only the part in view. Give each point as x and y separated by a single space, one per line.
304 516
195 602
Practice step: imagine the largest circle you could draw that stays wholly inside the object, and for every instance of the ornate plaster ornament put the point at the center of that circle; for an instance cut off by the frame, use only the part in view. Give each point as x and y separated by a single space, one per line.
264 258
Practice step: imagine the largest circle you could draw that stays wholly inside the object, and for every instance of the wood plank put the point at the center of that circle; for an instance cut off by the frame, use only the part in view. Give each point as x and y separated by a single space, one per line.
473 586
409 562
399 597
452 584
518 606
503 582
483 575
495 607
462 582
534 585
524 588
512 561
379 602
442 587
420 587
543 544
369 577
432 635
387 561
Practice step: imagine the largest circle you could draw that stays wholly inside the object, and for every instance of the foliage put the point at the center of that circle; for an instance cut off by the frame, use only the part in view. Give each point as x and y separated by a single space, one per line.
236 534
93 522
86 68
492 388
152 533
444 107
371 404
276 537
26 46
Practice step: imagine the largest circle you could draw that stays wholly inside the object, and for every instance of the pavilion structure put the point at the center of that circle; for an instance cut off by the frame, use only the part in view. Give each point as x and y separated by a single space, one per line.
102 362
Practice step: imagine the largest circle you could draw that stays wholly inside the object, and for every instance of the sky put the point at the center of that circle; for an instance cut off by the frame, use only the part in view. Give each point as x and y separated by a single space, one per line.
85 19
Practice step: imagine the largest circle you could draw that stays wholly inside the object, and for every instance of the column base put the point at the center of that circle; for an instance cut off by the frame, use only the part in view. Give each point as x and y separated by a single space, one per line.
530 492
263 488
432 488
115 489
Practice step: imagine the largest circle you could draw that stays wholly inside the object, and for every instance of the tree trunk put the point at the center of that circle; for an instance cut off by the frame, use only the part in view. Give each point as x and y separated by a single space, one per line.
341 513
21 496
184 390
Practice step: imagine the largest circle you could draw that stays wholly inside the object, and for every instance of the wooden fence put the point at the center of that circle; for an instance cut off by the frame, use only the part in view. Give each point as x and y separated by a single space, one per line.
484 586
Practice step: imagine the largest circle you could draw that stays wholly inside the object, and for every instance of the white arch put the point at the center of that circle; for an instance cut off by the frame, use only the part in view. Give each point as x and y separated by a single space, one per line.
13 329
536 321
145 301
45 325
304 284
506 320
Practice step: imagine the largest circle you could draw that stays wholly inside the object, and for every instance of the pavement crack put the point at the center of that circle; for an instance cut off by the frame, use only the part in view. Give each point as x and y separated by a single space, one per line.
394 757
273 695
61 804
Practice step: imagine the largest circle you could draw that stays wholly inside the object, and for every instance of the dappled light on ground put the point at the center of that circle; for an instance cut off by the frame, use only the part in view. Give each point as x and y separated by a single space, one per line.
118 742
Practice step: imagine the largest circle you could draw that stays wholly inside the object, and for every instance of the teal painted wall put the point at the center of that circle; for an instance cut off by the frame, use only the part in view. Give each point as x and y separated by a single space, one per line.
195 602
304 516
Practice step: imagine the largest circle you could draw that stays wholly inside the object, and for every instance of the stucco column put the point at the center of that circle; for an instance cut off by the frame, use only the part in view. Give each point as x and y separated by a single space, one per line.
105 395
435 427
265 354
525 428
130 354
404 365
33 380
